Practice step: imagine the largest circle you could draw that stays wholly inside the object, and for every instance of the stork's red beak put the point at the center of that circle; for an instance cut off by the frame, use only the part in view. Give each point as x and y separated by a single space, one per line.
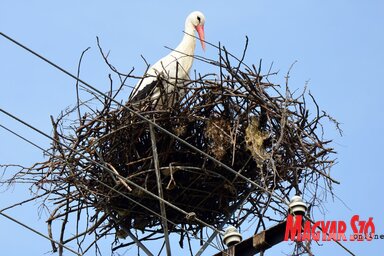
200 31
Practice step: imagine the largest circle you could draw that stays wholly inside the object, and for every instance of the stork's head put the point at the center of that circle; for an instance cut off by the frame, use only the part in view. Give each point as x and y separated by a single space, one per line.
197 20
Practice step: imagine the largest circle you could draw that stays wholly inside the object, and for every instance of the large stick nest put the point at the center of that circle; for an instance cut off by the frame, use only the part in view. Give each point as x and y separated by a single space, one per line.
257 128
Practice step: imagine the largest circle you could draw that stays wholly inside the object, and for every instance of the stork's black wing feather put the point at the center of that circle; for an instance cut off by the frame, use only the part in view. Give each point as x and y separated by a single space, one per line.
145 92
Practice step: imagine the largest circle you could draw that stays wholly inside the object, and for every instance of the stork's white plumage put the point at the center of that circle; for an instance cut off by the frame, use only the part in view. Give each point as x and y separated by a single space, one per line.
167 76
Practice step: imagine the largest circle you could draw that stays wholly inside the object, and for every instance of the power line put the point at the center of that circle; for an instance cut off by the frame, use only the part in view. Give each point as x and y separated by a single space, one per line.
38 233
23 138
102 183
151 123
145 119
108 169
337 242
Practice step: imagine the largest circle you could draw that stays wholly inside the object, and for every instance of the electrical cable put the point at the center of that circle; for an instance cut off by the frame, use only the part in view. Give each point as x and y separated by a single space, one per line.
145 119
38 233
106 168
149 122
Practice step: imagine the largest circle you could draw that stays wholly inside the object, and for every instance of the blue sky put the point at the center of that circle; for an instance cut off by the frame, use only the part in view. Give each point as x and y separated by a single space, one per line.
338 46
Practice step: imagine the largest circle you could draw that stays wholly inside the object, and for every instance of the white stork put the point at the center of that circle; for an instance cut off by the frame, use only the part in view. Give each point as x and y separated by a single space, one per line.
168 75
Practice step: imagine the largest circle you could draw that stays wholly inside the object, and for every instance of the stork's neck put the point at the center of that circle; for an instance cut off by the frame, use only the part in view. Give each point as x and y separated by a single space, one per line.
188 44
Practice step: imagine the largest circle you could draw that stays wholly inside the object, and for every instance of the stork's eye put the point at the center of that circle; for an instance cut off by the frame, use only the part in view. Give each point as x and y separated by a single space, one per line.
199 19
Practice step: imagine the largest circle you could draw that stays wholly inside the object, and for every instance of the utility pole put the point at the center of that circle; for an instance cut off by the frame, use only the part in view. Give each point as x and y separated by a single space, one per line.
265 239
257 243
